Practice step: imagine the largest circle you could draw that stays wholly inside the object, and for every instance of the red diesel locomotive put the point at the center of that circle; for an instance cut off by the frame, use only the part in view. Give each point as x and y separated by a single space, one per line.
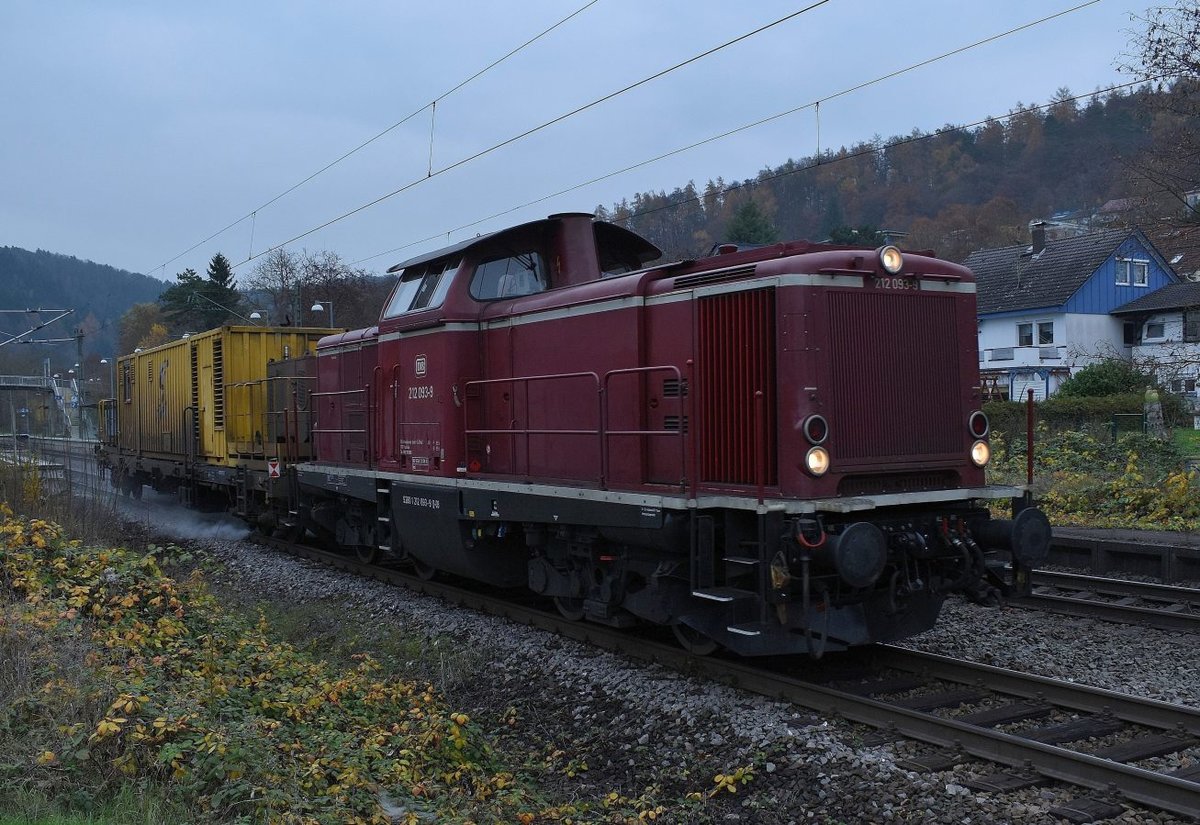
773 450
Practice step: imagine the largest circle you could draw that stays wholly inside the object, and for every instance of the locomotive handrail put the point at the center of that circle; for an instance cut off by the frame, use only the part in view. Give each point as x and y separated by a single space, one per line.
363 431
526 380
608 433
375 416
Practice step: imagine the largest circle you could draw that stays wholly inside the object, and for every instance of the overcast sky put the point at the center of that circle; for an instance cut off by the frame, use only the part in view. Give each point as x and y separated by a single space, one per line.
131 131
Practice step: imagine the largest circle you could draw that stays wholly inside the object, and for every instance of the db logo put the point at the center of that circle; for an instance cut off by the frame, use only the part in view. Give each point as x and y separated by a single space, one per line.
421 366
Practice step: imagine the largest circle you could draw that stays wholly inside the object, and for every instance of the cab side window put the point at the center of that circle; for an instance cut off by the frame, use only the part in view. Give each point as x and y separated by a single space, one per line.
509 277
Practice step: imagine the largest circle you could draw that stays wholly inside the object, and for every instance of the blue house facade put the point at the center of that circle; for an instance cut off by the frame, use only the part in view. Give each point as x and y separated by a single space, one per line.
1045 308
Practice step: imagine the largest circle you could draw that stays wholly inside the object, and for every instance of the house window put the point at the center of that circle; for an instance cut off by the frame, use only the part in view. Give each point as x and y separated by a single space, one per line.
1132 334
1154 329
1043 330
1191 326
1132 272
1183 385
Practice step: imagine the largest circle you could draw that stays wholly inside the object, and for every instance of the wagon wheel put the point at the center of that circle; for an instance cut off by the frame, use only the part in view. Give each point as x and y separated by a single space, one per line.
425 572
693 641
571 609
367 553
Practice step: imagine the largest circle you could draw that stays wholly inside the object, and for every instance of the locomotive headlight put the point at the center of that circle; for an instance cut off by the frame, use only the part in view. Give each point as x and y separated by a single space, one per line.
817 461
890 259
981 453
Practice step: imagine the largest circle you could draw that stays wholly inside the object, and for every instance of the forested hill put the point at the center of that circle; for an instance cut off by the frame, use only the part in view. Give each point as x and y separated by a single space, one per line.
99 294
954 190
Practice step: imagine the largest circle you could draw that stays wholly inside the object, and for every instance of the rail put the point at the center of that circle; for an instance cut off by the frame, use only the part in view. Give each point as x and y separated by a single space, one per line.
1115 600
972 734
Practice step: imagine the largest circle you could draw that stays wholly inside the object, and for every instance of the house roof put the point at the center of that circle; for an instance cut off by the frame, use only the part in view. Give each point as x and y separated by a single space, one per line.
1171 296
1180 246
1012 277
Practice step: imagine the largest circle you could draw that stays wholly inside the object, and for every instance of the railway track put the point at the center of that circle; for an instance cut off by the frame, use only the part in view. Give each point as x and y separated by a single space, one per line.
1115 600
1035 728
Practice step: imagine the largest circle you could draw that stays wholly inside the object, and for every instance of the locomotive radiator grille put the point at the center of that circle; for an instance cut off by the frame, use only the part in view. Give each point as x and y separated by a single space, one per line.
736 360
902 351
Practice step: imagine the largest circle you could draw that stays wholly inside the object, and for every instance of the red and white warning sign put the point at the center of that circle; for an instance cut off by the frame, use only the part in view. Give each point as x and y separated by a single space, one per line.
273 468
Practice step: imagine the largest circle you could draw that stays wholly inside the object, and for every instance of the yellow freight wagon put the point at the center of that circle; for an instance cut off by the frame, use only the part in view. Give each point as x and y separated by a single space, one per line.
203 400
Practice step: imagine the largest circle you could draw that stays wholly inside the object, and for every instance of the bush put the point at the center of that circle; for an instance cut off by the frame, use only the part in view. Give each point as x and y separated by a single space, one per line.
1063 413
1079 478
1110 377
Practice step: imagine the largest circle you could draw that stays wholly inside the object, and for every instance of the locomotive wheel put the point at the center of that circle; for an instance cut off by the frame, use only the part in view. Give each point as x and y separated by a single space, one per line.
367 553
571 609
425 572
693 641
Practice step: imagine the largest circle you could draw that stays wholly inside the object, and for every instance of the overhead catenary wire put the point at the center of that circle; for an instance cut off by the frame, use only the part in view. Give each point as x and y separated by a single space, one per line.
749 184
760 122
545 125
461 84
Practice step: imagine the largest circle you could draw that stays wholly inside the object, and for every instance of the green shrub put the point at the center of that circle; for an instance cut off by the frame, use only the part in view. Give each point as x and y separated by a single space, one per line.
1109 377
1059 413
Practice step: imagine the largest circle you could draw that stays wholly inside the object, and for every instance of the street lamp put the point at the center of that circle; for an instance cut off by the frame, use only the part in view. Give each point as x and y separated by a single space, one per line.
257 315
319 306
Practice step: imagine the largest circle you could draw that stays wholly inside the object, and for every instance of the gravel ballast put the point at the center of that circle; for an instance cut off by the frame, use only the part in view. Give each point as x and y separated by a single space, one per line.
637 725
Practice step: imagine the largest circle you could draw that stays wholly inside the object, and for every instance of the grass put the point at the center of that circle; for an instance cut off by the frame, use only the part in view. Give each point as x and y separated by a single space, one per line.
129 806
1187 441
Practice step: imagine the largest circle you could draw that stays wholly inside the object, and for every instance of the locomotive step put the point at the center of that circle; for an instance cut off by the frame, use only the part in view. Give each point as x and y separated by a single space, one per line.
747 560
724 594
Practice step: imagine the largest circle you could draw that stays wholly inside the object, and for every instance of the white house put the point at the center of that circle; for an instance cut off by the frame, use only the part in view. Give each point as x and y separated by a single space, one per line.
1167 323
1045 308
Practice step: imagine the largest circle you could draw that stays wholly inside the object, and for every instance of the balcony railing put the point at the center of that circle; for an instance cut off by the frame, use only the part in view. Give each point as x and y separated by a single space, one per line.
1022 356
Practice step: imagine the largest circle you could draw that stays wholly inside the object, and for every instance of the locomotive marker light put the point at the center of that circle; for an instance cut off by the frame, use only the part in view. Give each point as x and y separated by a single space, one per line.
978 424
817 461
891 259
815 429
981 453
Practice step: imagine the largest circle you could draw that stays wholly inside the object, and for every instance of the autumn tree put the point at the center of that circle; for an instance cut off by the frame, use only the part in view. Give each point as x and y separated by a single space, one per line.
143 325
1166 52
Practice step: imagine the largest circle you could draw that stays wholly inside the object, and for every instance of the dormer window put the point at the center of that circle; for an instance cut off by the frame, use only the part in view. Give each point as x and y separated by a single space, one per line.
1132 272
1155 330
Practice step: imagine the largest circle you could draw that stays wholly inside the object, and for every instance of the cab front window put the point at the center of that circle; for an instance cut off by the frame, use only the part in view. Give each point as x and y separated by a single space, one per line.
421 287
